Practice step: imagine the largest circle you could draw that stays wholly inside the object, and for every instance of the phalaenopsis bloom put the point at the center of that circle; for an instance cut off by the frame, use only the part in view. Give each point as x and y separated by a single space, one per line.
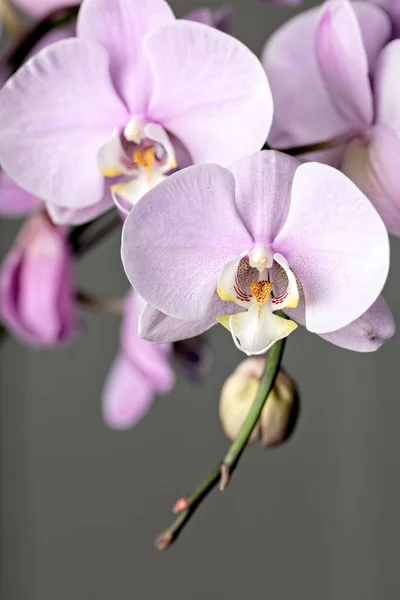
116 104
275 235
340 65
103 119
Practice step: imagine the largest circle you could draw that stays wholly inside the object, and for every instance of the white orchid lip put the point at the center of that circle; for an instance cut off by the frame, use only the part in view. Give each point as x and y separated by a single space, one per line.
137 159
256 329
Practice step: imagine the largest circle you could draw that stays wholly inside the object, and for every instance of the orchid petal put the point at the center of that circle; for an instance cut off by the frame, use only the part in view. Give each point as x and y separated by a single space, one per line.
127 396
337 246
153 360
386 85
304 112
367 333
373 164
55 113
15 202
186 228
155 326
78 216
257 329
121 26
263 180
210 70
343 62
36 285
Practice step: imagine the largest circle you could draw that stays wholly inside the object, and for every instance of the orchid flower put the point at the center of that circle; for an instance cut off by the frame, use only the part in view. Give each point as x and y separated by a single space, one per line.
140 370
110 114
37 293
239 245
337 65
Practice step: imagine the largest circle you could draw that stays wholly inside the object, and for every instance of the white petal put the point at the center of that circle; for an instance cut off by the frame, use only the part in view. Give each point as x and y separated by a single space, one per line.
256 330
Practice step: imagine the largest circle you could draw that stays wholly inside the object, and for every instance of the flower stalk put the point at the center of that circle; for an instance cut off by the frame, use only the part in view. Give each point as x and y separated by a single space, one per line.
224 470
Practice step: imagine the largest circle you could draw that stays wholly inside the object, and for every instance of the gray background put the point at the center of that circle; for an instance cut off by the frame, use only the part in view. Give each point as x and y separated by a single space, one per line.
80 505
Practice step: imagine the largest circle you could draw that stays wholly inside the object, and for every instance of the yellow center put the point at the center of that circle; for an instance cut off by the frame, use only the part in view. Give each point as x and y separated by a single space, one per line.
261 291
145 159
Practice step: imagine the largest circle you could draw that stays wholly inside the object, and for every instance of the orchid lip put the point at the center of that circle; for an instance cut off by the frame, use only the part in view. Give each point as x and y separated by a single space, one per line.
136 159
246 281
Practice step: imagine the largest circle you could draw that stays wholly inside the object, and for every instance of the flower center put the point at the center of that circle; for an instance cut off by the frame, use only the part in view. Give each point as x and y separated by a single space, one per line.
246 282
261 291
136 160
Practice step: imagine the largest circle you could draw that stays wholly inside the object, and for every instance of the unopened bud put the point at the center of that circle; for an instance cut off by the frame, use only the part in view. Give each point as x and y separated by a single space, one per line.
280 413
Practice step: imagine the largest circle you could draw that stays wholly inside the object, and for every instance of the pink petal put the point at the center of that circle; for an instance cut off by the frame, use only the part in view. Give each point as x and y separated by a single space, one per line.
303 110
120 26
15 202
36 284
220 104
55 113
176 240
343 62
367 333
373 164
264 182
157 327
220 19
127 395
152 360
336 244
77 216
386 85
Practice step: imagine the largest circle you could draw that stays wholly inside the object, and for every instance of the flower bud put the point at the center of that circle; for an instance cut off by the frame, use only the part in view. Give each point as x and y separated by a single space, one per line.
37 295
280 413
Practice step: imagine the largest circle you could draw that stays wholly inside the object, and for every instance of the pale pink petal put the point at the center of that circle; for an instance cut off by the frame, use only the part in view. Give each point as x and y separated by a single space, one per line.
15 202
336 244
55 113
220 103
127 395
369 332
373 164
343 62
121 26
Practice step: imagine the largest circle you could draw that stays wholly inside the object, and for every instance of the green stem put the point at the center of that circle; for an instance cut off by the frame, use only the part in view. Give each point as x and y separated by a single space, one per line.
267 383
224 469
168 537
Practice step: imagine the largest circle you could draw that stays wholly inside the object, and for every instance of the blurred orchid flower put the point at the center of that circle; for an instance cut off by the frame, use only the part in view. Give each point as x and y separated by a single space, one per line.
392 7
274 235
40 8
326 59
101 118
219 19
37 294
140 370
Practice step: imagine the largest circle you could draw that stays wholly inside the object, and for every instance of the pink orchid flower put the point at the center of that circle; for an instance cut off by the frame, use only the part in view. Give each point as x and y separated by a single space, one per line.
37 293
274 235
334 74
106 115
140 370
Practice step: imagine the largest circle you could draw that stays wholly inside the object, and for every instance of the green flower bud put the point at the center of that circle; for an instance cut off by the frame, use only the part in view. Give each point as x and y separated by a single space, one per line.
280 413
